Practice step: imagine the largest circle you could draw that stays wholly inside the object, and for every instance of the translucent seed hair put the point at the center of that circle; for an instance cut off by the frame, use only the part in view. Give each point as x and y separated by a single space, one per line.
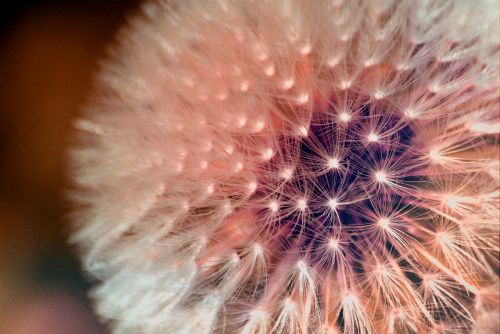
284 166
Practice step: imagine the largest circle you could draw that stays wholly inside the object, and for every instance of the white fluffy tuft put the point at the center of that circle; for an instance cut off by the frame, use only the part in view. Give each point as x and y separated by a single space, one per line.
293 166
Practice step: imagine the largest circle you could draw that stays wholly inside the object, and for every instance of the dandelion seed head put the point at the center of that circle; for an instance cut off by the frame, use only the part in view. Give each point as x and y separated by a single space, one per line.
263 167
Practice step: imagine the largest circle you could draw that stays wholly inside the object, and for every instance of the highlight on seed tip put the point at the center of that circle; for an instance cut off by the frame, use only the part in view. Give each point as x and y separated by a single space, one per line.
292 166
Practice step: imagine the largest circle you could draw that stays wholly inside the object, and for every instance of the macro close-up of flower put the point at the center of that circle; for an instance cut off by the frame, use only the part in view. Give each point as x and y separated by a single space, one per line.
294 166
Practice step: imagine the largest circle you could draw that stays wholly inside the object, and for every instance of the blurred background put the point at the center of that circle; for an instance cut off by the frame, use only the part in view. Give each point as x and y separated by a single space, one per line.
49 54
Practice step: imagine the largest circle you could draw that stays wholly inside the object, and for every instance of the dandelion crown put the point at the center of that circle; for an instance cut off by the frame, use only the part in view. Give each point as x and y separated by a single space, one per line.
287 166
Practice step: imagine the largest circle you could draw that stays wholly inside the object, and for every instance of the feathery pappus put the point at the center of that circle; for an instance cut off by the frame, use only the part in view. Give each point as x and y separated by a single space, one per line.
285 166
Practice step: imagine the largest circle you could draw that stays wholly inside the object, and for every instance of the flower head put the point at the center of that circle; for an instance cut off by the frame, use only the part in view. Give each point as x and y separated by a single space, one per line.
295 167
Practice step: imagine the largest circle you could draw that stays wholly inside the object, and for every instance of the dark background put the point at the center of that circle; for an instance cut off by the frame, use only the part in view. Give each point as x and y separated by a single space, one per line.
49 54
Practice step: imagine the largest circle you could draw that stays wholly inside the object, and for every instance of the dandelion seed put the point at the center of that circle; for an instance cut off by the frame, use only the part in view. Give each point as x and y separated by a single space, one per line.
333 163
273 206
287 84
333 203
252 186
302 131
435 155
269 70
258 249
485 127
244 86
345 117
238 166
379 95
242 121
259 126
346 84
372 137
302 98
410 113
306 49
287 173
332 62
302 204
381 176
267 154
333 244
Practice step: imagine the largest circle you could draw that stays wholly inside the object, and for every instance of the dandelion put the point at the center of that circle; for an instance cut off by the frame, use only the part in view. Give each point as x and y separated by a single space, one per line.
288 166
